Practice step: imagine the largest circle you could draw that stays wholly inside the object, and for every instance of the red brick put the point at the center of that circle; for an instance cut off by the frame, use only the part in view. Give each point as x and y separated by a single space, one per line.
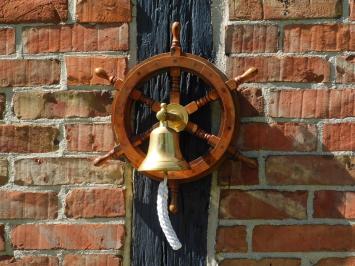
261 262
29 72
251 102
245 9
75 38
99 137
276 9
231 239
3 171
28 260
310 170
62 104
349 261
262 204
81 203
81 69
309 103
92 260
352 9
25 138
28 205
338 137
104 11
63 171
2 105
68 236
345 69
281 69
7 41
237 173
334 204
281 9
303 238
18 11
278 136
251 38
326 37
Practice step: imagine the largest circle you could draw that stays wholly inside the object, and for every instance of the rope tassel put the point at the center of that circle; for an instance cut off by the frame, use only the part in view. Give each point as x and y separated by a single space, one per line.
163 215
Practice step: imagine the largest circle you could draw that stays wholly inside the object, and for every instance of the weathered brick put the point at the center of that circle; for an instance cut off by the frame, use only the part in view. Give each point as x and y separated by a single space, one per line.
28 205
352 9
278 136
324 37
349 261
345 69
18 11
62 171
81 69
245 9
104 11
68 236
282 9
231 239
262 204
308 103
2 105
3 171
261 262
99 137
29 260
28 138
237 173
281 69
74 38
7 41
338 137
334 204
109 202
251 102
251 38
29 72
310 170
62 104
303 238
92 260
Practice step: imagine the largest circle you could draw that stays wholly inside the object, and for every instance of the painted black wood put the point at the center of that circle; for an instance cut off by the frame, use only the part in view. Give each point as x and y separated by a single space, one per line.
149 247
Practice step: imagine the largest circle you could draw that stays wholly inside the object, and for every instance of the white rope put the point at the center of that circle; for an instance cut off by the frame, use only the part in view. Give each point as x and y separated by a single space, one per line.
163 215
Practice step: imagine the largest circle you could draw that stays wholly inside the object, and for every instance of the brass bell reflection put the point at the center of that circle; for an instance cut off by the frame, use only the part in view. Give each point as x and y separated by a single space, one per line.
164 150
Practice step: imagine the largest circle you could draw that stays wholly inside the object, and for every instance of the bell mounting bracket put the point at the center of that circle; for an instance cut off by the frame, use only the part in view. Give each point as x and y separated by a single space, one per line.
174 62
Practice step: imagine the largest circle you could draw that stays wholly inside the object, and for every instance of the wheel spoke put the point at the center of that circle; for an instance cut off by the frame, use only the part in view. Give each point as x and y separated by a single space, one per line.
139 139
193 106
195 130
175 85
139 96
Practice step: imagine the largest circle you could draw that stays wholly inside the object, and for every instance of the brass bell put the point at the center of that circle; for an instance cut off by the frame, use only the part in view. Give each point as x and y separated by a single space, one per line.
164 150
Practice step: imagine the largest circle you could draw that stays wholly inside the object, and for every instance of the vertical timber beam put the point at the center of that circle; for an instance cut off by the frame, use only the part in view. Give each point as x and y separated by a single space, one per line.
149 247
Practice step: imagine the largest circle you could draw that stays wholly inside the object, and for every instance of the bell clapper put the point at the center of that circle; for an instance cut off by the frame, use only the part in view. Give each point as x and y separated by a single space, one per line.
174 189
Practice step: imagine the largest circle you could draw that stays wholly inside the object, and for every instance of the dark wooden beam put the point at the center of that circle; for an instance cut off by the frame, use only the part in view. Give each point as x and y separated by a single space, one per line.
149 247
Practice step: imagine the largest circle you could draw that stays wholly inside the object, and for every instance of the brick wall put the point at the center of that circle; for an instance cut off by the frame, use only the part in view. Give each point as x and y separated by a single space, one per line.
56 208
297 118
298 114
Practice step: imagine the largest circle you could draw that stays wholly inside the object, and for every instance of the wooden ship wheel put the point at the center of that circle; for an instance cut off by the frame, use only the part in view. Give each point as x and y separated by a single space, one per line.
174 62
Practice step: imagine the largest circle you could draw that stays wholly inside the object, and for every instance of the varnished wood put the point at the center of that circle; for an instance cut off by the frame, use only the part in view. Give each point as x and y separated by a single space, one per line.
173 63
100 72
115 153
190 63
137 95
